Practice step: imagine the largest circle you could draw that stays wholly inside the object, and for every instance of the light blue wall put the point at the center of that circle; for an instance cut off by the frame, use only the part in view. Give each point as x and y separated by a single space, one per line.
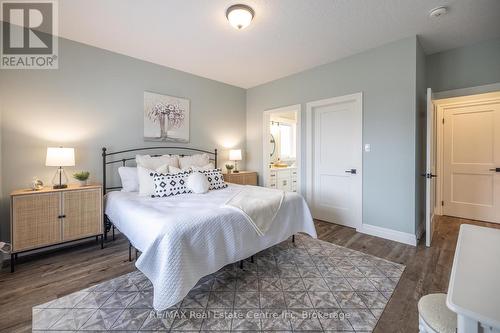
469 66
387 78
95 99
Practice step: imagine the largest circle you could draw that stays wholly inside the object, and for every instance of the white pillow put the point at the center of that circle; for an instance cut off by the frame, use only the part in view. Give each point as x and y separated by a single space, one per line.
209 166
197 183
152 163
130 179
170 184
197 160
215 179
146 184
174 170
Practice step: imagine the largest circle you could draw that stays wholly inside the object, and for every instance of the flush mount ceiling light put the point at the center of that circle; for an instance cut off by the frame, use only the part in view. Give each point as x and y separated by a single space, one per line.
240 16
437 12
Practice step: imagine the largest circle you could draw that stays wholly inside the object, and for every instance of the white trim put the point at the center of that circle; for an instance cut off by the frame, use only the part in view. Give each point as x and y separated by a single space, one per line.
284 120
358 99
309 154
438 209
265 151
397 236
430 167
467 91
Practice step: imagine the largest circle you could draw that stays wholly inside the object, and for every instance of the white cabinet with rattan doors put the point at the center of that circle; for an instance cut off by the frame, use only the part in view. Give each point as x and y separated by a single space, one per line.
54 216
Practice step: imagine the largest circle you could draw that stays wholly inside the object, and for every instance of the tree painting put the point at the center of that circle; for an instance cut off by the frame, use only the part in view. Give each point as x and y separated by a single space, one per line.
166 118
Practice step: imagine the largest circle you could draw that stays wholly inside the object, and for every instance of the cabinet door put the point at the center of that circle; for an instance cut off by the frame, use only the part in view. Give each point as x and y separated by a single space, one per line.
83 213
251 179
284 184
284 174
238 179
35 221
234 178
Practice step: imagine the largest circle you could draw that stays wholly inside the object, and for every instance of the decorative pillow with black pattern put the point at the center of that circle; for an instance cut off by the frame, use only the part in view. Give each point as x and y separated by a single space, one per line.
215 179
167 185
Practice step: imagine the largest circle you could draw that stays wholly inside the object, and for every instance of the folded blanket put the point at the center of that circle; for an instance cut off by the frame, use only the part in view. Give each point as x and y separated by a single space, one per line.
259 206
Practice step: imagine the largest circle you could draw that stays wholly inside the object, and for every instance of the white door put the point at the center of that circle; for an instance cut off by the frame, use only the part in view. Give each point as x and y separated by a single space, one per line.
471 155
430 174
335 159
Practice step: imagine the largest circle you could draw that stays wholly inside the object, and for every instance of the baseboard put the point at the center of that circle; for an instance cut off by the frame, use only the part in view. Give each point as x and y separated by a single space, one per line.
394 235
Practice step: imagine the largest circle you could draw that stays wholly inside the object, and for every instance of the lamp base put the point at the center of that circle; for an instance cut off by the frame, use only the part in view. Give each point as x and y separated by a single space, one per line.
60 179
236 167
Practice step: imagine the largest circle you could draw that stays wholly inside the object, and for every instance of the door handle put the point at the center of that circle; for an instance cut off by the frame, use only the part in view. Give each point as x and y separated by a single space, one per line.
351 171
428 175
495 169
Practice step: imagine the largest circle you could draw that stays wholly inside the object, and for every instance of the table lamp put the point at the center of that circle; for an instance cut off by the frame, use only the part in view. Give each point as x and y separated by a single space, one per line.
235 155
60 157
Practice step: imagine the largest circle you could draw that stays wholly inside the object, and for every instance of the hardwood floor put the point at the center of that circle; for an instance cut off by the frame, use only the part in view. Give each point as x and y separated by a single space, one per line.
40 278
427 269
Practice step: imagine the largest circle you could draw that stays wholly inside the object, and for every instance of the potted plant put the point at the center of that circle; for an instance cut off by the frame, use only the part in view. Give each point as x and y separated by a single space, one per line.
229 168
82 177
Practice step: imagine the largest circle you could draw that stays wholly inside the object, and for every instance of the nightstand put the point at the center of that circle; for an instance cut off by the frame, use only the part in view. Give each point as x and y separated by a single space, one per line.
54 216
242 178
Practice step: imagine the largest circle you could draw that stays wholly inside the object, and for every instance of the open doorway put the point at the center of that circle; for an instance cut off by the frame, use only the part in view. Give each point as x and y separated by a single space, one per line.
281 148
468 145
466 160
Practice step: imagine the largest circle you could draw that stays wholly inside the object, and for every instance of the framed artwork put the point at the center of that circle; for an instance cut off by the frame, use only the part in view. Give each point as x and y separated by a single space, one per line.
166 118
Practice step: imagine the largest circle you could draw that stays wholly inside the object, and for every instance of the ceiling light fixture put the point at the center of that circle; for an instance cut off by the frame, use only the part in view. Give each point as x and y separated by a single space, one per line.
437 12
240 16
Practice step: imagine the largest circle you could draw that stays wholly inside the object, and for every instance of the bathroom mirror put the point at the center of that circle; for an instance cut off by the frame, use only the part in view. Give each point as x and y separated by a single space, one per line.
272 147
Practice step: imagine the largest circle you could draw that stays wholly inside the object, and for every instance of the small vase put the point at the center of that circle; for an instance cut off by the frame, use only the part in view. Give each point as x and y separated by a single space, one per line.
83 182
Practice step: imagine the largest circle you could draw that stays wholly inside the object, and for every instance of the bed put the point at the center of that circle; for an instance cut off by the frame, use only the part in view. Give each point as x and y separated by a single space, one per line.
186 237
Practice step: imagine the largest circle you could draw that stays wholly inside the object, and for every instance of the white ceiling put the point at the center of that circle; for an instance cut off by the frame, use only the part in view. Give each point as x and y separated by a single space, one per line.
286 36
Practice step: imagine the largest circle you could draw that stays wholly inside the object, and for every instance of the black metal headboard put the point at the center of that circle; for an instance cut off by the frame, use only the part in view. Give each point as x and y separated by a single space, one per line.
124 160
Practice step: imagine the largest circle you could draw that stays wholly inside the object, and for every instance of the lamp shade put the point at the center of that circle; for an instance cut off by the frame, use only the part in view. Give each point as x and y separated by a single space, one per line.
60 156
235 155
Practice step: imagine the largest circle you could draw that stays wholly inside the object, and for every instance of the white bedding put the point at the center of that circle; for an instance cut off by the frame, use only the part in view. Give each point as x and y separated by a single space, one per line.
259 205
185 237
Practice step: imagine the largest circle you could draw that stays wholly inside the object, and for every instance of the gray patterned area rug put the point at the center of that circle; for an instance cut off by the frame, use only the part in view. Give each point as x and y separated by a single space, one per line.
309 285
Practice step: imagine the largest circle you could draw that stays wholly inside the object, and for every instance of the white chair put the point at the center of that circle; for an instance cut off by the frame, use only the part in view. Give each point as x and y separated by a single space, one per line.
434 316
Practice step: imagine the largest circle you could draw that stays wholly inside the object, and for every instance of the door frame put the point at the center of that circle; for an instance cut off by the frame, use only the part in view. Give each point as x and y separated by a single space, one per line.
441 105
358 99
430 167
266 119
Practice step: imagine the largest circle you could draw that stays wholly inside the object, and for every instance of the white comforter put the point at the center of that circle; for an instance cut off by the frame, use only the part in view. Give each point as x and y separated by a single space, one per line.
259 205
185 237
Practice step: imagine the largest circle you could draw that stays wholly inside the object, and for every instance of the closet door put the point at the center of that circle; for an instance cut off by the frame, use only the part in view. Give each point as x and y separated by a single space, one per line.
335 160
